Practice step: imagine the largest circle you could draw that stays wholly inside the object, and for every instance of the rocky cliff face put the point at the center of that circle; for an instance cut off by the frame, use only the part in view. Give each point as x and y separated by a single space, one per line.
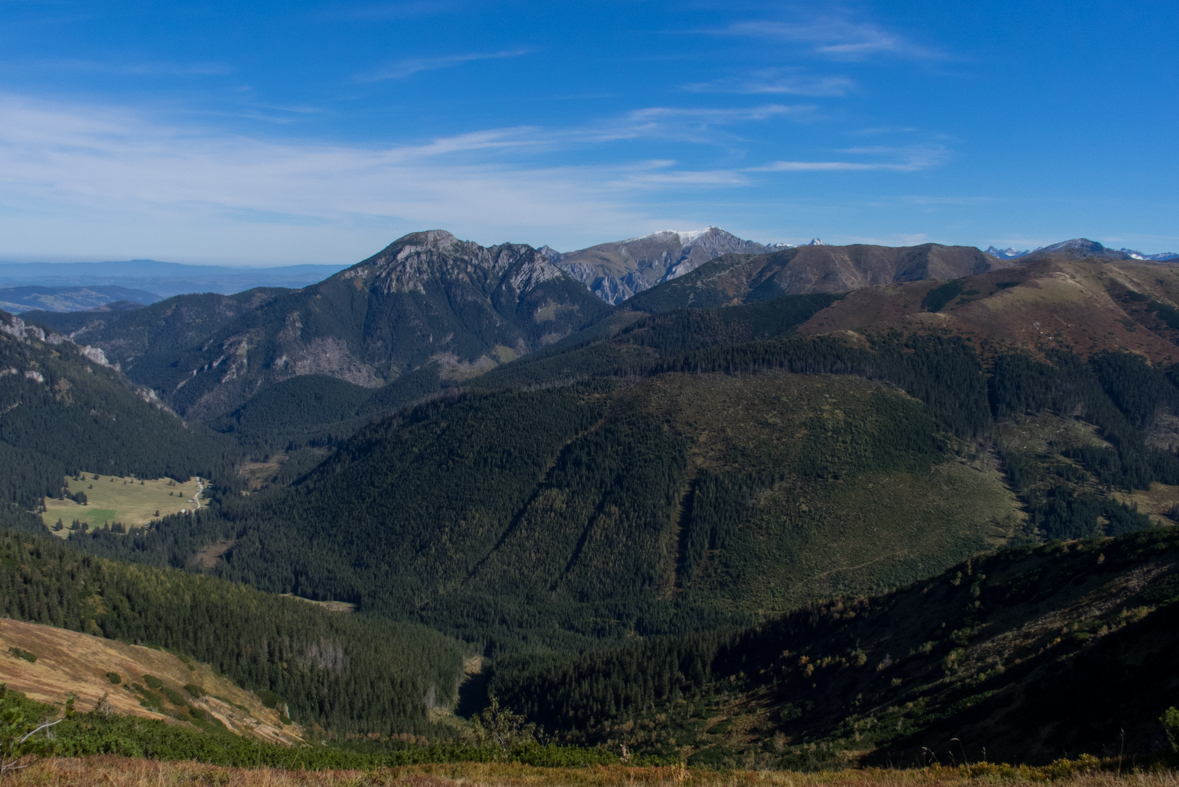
616 271
426 298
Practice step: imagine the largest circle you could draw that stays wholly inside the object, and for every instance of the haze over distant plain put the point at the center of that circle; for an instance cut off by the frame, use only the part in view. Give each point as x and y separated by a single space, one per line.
291 133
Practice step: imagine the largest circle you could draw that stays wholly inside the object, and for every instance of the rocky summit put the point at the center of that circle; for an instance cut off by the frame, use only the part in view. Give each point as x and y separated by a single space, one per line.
616 271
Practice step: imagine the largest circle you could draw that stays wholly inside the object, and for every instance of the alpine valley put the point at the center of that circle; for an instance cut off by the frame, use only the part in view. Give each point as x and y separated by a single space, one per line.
678 498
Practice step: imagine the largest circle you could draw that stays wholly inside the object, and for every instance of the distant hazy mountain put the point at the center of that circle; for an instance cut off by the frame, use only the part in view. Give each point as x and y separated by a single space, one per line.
71 299
1165 256
616 271
1082 247
1008 253
162 278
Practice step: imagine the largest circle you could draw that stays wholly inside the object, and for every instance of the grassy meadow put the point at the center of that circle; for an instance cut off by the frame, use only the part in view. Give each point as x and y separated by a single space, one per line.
132 501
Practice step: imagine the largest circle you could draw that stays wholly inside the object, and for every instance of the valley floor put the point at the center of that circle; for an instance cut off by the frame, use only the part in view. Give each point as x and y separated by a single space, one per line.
110 771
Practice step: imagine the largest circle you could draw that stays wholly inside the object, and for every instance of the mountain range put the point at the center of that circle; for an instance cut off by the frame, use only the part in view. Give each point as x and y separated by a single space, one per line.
617 271
431 309
428 298
71 299
781 504
1084 247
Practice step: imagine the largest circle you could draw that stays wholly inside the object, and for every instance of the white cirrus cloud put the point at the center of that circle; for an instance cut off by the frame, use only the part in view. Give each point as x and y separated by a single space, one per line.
887 159
836 38
408 67
78 179
776 81
81 179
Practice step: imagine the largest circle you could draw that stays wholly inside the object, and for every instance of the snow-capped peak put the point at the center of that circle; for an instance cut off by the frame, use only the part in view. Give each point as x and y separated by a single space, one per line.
1165 256
816 242
686 237
1010 253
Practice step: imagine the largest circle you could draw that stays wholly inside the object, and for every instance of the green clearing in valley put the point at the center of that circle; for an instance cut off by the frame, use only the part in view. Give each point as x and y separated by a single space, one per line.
132 501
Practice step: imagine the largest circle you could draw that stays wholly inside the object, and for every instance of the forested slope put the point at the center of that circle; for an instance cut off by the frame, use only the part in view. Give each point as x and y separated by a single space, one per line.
652 503
346 673
62 412
694 474
139 340
1026 655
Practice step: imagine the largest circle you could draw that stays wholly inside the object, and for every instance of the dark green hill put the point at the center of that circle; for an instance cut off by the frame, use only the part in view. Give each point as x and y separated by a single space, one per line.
293 406
138 341
691 477
1023 656
654 504
62 411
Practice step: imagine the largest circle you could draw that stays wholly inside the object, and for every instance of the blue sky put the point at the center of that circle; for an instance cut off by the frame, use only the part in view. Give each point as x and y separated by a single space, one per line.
279 133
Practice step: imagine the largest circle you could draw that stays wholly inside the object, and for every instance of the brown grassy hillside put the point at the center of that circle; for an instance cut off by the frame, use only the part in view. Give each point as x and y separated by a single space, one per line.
70 662
1054 302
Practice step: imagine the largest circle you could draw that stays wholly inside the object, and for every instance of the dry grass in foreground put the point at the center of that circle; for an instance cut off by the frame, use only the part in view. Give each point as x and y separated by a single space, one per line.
122 772
70 662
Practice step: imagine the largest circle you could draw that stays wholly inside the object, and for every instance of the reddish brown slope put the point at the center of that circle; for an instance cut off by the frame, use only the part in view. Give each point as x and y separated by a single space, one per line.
1085 305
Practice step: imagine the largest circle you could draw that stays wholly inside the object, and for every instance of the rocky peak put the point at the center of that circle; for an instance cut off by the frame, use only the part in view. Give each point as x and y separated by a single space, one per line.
1082 247
407 264
550 254
616 271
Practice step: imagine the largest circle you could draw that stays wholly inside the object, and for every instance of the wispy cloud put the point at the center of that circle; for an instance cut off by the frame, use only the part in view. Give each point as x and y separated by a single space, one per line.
691 124
104 178
888 159
836 38
406 68
776 81
92 178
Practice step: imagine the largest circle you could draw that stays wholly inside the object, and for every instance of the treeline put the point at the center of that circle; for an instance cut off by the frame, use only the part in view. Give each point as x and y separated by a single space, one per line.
942 371
1117 392
349 674
687 330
